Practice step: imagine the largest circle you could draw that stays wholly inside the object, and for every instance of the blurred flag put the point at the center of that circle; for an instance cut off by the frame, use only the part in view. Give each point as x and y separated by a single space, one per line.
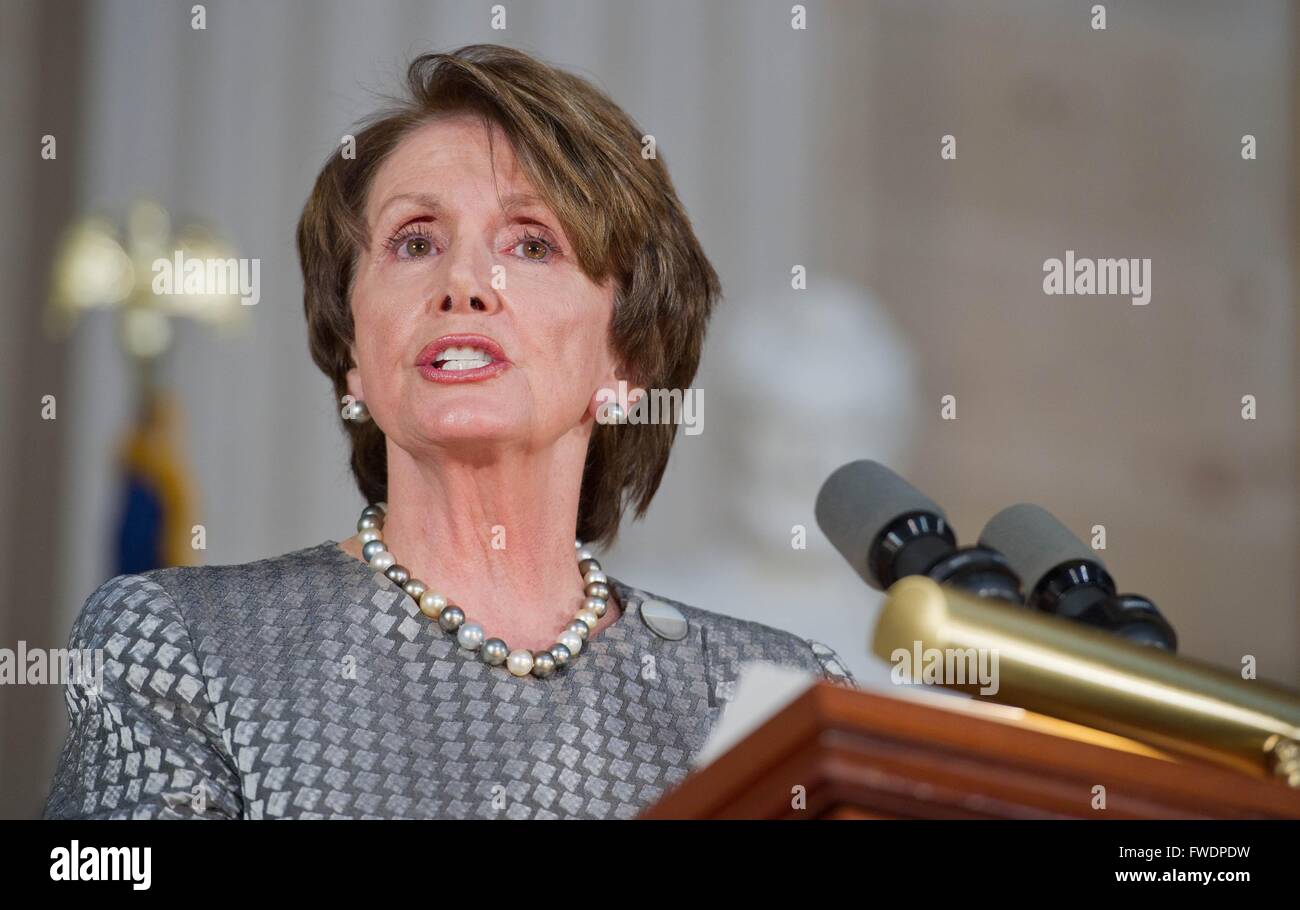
154 524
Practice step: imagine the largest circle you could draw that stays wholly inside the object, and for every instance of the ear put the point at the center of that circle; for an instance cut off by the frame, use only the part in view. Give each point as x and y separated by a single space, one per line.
616 385
354 377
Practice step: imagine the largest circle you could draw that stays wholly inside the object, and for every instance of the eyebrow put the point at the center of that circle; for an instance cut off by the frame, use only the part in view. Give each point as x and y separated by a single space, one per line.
516 201
511 203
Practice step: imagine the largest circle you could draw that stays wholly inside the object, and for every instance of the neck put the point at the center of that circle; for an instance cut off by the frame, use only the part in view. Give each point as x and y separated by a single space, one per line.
495 537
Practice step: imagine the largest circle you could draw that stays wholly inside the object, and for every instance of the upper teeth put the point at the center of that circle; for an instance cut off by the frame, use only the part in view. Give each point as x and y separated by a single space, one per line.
463 358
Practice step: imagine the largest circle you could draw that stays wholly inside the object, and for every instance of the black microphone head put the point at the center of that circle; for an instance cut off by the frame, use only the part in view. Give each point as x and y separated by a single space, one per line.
857 502
1034 542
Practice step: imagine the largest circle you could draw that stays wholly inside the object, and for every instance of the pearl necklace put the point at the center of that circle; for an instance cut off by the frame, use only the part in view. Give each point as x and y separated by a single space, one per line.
493 651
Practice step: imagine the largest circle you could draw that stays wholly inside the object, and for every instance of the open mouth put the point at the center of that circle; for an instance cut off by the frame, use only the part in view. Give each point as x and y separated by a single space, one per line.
461 358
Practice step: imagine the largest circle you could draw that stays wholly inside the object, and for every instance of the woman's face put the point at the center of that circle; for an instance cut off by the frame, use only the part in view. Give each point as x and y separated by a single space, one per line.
444 257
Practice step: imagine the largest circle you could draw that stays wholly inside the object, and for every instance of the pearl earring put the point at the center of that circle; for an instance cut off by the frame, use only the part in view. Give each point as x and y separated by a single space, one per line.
355 410
611 412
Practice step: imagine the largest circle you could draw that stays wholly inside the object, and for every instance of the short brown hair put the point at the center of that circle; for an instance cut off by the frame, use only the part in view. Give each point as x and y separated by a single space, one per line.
583 155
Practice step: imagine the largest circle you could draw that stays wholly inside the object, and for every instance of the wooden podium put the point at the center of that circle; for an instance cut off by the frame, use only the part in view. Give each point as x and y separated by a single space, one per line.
858 754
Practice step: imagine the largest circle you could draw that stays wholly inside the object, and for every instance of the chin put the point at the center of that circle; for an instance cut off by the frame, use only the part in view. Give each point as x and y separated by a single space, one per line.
467 421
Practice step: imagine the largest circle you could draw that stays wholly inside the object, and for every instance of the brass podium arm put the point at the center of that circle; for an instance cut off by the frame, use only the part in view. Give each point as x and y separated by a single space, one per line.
1059 668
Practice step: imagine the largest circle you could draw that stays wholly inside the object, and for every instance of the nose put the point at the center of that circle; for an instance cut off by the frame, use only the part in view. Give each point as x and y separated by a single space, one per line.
468 281
448 304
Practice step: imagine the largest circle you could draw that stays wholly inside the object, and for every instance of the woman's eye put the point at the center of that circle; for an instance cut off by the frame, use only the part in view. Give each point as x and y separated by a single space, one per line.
534 248
415 247
408 245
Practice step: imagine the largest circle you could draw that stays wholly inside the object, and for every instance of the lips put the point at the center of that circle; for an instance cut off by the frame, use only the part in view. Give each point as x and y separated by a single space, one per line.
462 358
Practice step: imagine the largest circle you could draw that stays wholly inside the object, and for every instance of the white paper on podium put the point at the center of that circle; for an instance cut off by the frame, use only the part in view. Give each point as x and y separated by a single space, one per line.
762 690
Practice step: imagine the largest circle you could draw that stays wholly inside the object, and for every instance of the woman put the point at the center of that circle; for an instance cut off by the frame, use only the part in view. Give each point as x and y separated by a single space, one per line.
493 261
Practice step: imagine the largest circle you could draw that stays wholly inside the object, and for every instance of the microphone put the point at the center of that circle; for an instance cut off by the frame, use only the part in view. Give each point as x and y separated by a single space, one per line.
1066 578
887 529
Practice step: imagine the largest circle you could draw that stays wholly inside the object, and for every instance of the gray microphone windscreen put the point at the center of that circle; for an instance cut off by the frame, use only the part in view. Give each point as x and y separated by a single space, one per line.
1034 542
858 501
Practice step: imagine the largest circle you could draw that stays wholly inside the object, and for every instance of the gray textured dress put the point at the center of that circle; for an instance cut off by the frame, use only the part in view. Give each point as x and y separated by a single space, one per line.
310 686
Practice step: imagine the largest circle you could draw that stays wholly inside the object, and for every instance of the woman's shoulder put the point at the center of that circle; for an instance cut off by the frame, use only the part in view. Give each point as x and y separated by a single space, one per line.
730 641
168 594
318 559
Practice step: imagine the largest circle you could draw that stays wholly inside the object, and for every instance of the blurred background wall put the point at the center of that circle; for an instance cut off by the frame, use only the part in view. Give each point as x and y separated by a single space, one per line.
818 148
